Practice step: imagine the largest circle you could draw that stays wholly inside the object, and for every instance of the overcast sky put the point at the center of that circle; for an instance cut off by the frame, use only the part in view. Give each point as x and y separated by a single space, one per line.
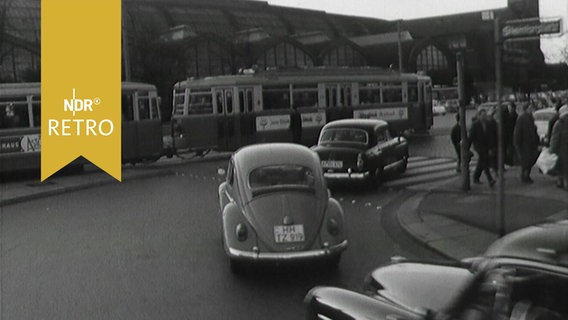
412 9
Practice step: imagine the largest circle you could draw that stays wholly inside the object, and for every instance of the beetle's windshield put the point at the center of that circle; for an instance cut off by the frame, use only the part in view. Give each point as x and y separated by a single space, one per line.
344 135
281 175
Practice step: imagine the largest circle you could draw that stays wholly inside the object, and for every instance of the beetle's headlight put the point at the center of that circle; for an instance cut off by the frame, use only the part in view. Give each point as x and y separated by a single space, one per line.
241 232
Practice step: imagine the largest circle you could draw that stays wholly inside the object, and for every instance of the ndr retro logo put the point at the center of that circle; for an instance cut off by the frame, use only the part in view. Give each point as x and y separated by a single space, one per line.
82 126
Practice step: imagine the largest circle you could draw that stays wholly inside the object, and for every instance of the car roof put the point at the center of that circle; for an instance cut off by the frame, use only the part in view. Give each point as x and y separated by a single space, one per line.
368 124
546 110
264 154
546 243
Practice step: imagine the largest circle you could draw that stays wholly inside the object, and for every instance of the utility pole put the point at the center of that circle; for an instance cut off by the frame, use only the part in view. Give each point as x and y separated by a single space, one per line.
464 143
500 164
125 53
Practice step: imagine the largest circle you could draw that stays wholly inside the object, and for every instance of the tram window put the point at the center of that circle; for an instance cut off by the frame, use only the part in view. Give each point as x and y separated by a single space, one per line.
14 113
154 114
276 97
249 101
200 103
127 101
229 101
369 93
143 108
219 97
179 98
392 92
412 92
305 96
241 102
36 110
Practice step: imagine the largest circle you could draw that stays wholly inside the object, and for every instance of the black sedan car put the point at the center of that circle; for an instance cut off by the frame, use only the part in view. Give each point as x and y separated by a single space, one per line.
276 208
524 275
360 149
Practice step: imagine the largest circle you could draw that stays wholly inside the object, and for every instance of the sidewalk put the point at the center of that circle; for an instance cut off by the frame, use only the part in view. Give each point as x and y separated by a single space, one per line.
17 191
462 224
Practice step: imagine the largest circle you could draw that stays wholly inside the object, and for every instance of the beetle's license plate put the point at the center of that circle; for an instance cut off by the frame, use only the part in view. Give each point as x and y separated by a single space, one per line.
291 233
332 164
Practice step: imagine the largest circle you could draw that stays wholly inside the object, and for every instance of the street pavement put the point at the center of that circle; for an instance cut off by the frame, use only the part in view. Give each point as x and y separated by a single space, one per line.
456 223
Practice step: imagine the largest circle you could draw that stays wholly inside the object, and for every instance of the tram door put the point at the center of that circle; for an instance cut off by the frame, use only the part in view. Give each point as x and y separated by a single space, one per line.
246 119
141 127
227 118
338 101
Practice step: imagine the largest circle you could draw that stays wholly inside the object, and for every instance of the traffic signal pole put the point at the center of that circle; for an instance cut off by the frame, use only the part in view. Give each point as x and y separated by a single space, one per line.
500 162
464 143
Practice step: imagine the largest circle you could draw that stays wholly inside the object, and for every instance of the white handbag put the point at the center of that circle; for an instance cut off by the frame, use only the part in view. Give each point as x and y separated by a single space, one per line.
546 161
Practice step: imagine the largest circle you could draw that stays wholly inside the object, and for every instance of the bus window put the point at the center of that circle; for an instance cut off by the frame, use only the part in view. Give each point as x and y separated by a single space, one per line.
36 111
143 107
127 112
392 92
14 113
276 97
369 93
412 92
305 95
200 102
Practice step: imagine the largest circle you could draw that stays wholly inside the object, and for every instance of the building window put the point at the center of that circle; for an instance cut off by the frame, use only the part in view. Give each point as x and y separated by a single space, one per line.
431 58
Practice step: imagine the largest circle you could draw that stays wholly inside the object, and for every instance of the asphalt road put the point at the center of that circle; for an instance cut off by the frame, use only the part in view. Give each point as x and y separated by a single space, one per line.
151 249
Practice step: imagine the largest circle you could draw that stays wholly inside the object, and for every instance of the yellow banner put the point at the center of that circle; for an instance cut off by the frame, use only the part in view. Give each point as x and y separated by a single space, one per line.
80 84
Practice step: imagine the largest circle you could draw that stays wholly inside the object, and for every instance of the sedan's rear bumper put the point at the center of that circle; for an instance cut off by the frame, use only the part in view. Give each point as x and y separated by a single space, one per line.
287 256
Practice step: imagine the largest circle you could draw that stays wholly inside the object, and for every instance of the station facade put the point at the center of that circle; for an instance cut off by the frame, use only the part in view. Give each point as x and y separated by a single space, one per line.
165 41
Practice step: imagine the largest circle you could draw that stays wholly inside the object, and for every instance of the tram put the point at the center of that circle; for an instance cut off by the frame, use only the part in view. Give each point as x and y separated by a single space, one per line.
20 114
227 112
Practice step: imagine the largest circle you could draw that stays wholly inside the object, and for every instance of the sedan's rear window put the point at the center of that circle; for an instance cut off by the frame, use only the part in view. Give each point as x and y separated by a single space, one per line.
348 135
281 175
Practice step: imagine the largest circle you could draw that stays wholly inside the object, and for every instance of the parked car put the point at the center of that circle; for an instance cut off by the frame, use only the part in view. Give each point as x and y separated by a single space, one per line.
360 149
541 119
438 110
524 275
276 207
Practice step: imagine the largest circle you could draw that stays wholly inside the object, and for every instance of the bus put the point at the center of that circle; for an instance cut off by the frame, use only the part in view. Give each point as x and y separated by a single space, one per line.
227 112
20 120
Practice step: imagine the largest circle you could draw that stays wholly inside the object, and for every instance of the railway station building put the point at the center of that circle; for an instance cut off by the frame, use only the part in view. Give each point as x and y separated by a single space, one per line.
165 41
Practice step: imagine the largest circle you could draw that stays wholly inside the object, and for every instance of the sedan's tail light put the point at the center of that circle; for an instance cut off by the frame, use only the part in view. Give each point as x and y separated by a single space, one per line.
241 232
332 227
360 162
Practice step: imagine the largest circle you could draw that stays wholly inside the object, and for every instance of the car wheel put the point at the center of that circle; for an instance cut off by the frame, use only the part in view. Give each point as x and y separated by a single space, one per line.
404 165
376 176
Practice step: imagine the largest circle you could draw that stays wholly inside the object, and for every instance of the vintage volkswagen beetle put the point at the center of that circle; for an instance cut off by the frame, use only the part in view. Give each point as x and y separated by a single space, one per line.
521 276
276 207
360 149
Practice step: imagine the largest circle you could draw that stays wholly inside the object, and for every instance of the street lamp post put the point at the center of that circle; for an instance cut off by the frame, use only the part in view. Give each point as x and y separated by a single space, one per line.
400 68
500 162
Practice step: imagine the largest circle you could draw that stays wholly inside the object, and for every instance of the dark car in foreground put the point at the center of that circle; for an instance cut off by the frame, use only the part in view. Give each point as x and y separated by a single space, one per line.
523 275
276 207
360 149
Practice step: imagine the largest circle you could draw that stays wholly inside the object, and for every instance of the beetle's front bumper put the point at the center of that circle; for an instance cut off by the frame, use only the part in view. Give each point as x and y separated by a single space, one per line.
347 175
287 256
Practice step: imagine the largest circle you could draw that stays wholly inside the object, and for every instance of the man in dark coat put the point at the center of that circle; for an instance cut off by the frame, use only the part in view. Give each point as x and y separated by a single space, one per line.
296 125
526 142
483 139
559 146
455 136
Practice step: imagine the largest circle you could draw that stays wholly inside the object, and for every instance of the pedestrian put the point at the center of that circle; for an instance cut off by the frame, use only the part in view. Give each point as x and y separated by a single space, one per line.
296 125
526 142
509 131
559 146
482 138
557 104
455 136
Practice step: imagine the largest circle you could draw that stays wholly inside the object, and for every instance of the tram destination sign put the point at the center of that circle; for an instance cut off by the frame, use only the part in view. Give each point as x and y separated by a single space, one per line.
533 27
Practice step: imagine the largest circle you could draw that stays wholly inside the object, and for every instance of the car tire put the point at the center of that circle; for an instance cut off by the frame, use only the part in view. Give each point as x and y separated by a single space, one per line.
376 176
402 168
